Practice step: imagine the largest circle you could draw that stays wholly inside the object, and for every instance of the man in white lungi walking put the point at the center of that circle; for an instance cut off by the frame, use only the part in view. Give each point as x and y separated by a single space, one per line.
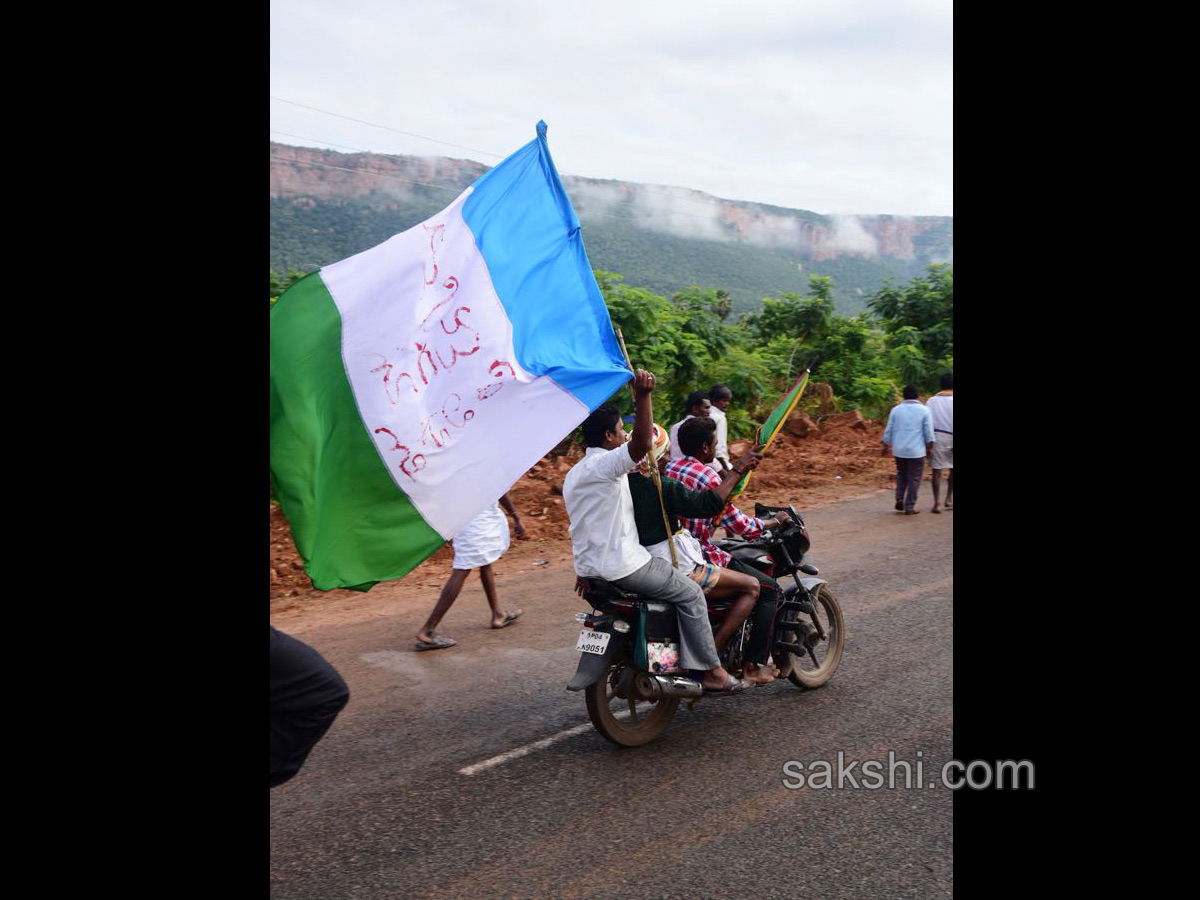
481 542
941 459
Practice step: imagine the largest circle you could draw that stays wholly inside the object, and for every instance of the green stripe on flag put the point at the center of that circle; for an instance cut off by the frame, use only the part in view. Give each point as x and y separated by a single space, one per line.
782 410
766 434
349 519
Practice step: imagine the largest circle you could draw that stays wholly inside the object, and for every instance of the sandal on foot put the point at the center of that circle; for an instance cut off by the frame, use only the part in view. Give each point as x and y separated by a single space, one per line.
509 618
731 686
436 642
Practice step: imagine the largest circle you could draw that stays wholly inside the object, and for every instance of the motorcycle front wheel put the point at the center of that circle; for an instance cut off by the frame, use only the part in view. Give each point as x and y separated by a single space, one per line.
814 668
626 721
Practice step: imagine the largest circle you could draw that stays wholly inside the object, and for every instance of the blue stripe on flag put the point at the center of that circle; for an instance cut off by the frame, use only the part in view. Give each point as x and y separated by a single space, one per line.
529 237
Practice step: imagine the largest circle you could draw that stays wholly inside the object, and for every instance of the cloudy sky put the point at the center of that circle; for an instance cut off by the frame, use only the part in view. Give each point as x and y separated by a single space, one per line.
835 106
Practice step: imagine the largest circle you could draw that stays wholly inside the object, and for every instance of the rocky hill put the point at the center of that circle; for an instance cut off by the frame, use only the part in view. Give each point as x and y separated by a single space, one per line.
327 205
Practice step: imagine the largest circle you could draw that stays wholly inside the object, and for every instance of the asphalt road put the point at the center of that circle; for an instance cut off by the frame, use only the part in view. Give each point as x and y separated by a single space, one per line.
548 808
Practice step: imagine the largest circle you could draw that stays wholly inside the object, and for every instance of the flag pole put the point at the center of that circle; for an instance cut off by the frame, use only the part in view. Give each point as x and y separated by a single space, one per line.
652 464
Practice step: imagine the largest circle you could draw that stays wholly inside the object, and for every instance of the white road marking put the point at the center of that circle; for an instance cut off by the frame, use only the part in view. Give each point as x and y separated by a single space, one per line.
530 748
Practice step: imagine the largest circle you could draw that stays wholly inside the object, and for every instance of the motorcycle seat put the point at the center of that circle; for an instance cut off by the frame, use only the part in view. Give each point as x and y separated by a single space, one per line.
745 550
600 591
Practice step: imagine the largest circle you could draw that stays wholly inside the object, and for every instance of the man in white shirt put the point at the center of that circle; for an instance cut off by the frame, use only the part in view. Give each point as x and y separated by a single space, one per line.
720 397
941 458
697 405
604 536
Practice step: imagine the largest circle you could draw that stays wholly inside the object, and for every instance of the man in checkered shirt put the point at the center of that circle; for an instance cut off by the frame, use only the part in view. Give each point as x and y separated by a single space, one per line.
698 441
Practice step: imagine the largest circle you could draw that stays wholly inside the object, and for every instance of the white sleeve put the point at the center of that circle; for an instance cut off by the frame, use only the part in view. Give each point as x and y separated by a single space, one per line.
615 464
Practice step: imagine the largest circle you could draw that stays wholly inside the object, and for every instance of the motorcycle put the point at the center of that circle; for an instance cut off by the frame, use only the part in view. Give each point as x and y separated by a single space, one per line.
629 647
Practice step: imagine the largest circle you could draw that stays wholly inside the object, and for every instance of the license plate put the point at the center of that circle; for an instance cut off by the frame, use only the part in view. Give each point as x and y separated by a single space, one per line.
592 641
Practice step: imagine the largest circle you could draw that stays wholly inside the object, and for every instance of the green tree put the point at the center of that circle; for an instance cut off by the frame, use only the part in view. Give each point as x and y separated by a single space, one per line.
722 304
755 379
855 364
700 316
918 320
801 319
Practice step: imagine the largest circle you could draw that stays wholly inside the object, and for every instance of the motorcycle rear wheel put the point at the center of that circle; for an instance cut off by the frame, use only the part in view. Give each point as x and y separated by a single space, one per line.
811 670
626 722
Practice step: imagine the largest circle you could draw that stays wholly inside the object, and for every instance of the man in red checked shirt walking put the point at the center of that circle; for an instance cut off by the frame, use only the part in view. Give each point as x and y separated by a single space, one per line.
698 441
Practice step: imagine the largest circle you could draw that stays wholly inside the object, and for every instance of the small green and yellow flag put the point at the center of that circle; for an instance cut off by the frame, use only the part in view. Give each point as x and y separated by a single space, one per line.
771 427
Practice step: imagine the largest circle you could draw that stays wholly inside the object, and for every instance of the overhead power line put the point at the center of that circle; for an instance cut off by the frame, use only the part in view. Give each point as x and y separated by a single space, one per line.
388 128
305 137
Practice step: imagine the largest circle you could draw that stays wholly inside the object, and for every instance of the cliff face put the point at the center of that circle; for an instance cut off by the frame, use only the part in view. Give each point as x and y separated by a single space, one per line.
303 172
817 238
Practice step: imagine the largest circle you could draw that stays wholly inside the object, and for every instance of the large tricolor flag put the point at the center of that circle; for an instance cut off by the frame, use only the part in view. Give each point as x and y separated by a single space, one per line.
413 383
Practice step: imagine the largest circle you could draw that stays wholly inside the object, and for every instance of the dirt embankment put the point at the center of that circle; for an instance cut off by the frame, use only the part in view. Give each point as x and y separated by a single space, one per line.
808 465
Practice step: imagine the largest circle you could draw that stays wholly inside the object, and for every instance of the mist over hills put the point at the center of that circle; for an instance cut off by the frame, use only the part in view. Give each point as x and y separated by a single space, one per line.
327 205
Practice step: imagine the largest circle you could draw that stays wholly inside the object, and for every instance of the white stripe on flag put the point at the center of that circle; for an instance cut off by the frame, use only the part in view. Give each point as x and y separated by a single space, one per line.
428 351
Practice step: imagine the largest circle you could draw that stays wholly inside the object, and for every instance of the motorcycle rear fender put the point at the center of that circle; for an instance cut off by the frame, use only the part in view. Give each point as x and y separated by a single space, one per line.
593 665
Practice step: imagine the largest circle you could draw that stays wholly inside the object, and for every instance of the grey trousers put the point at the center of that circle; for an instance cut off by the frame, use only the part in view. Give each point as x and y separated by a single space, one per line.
658 580
908 480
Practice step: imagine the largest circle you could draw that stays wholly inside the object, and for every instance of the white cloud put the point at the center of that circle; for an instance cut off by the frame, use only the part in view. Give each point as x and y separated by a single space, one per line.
838 106
849 236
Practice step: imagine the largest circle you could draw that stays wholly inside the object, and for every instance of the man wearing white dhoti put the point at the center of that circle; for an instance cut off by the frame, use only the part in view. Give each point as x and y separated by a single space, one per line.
480 543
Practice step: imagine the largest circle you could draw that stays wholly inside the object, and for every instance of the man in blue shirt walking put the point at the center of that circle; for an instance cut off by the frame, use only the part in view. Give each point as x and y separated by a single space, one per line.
910 432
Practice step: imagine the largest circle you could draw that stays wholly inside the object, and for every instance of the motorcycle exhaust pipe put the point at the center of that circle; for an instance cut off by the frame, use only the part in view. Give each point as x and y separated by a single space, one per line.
653 687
